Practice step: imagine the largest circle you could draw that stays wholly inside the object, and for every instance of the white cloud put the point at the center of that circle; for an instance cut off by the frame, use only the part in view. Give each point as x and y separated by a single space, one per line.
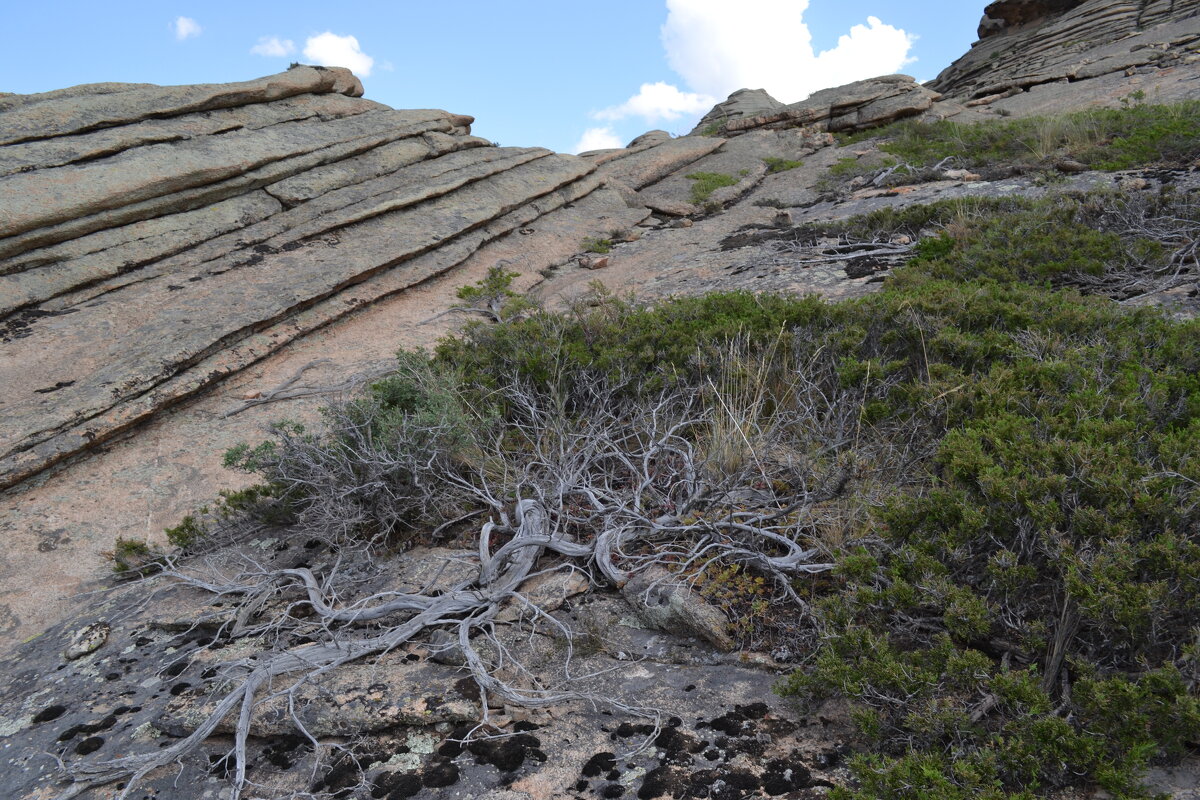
658 101
330 50
273 46
719 47
186 28
598 139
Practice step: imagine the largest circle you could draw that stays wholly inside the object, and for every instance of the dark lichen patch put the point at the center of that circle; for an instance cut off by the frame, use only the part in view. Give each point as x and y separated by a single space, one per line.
281 751
49 713
440 772
733 723
395 786
86 729
221 766
468 689
599 764
508 753
782 776
174 670
627 729
345 772
89 745
670 781
453 744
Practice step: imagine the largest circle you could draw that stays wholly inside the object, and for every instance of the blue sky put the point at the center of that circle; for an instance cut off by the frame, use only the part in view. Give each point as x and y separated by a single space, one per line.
532 72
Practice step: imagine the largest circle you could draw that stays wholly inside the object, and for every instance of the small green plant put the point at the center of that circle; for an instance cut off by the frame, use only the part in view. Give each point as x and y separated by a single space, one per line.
705 183
134 557
1133 98
187 533
775 164
600 246
712 128
494 295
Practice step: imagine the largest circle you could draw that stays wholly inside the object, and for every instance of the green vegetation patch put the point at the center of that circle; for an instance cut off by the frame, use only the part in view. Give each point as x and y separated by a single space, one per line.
705 183
594 245
775 164
1105 139
1016 525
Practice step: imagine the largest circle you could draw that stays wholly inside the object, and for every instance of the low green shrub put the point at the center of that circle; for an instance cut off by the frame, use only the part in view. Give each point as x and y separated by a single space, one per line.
1017 614
132 557
600 246
1107 139
775 164
705 183
493 294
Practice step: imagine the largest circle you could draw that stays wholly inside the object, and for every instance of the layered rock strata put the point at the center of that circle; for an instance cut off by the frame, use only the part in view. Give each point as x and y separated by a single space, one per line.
855 106
1040 56
154 240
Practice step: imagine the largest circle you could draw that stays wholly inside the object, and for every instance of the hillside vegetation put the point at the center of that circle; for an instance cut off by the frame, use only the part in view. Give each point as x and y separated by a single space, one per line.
967 505
1102 139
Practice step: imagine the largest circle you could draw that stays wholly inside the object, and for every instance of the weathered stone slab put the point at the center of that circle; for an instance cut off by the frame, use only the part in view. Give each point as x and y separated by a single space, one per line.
242 239
355 700
855 106
1030 43
116 366
63 150
58 114
741 104
203 195
109 253
657 162
46 197
380 161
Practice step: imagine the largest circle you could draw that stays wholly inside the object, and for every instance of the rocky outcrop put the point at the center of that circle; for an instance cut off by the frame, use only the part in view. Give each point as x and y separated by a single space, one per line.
158 239
855 106
739 105
1041 56
202 244
1005 14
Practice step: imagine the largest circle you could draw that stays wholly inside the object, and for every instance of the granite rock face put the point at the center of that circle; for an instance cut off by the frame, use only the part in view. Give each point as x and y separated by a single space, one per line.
1006 14
154 240
1043 56
169 252
855 106
742 103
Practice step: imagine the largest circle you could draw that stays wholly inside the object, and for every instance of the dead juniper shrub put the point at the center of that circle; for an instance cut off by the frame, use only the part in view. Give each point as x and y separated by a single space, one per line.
369 475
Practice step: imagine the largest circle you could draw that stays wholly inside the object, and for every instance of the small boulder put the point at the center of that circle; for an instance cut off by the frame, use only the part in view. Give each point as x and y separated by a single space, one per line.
650 139
741 104
87 639
661 602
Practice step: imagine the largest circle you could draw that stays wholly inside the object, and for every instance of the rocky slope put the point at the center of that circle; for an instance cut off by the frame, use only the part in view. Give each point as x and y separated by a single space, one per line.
1036 56
181 265
181 234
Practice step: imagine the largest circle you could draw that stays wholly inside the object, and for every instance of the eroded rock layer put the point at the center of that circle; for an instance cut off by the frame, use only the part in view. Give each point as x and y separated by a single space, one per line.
156 239
1040 56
